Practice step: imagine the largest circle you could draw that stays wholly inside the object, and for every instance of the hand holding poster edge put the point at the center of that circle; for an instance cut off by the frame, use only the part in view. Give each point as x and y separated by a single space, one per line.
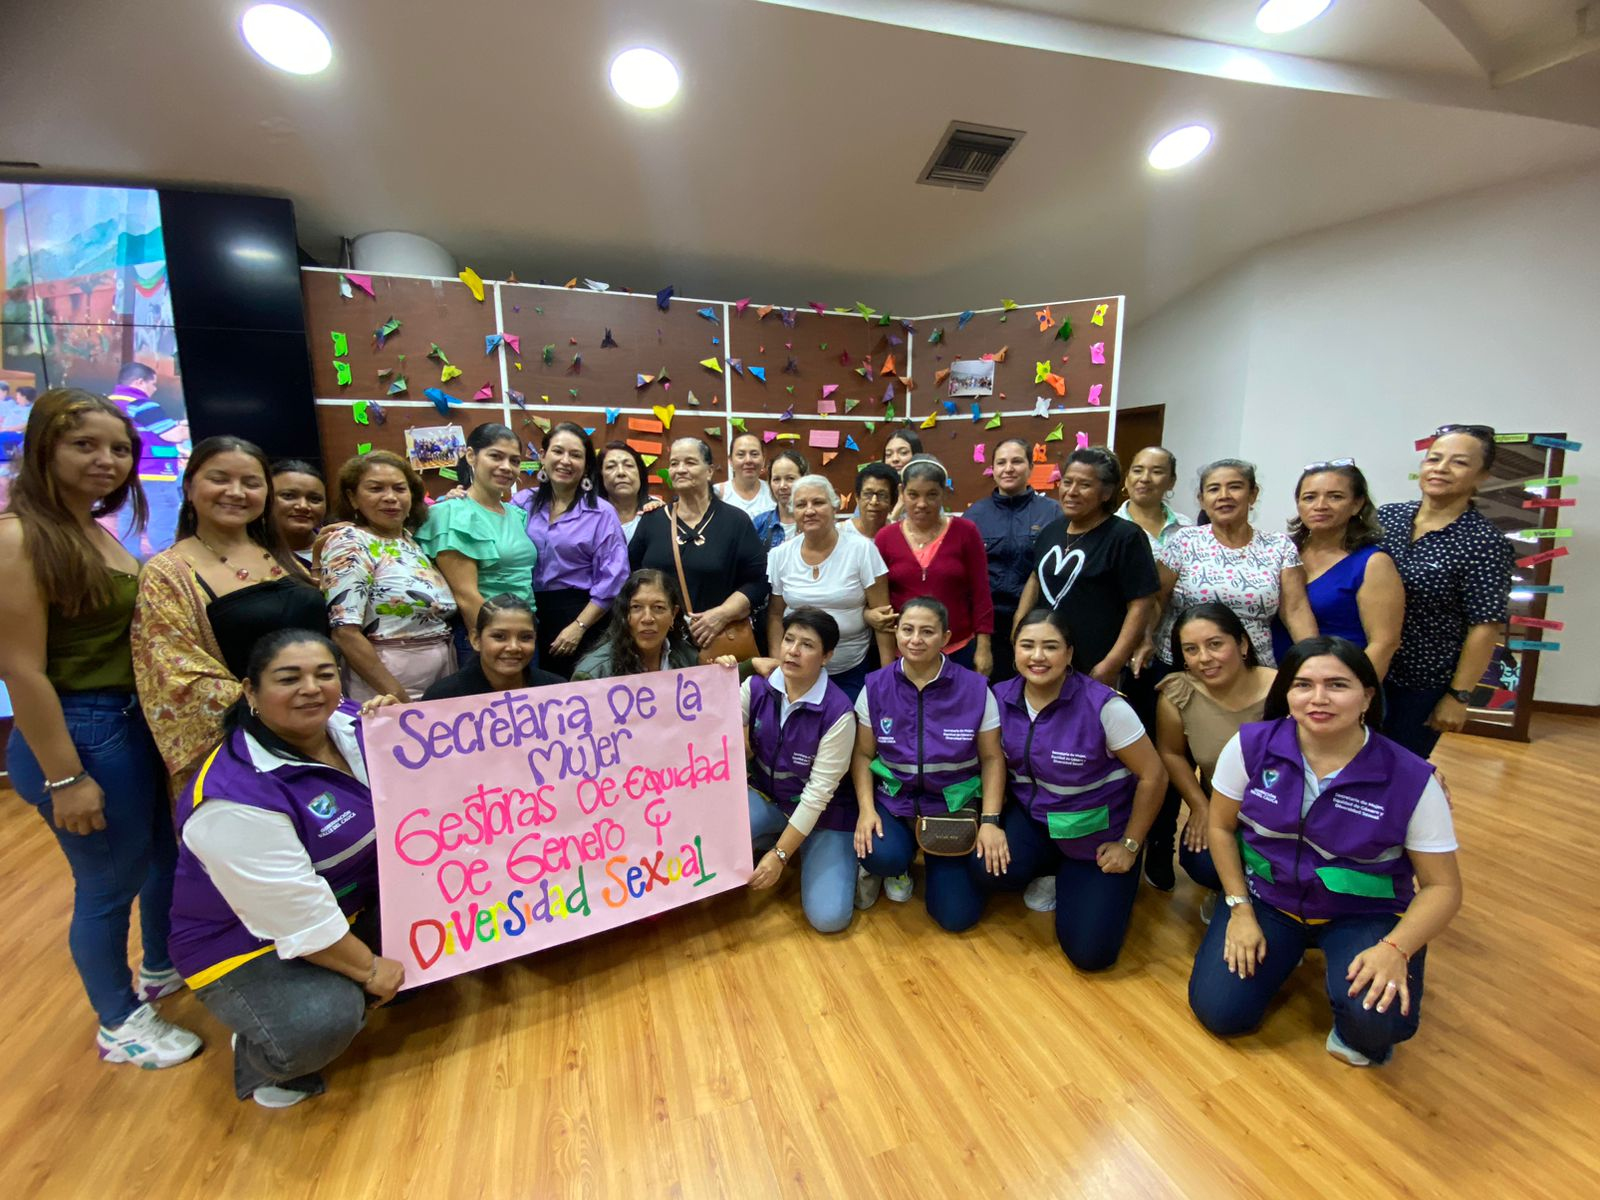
515 821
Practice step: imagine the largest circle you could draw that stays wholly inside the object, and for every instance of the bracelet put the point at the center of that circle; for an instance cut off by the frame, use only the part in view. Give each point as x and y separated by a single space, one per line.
372 974
53 785
1395 945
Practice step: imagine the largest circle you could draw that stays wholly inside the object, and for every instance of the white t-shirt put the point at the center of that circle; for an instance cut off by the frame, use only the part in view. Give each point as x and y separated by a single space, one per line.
1431 830
991 710
1121 724
762 502
839 589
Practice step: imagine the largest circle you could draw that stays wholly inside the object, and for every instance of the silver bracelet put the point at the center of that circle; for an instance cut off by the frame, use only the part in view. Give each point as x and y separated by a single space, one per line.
53 785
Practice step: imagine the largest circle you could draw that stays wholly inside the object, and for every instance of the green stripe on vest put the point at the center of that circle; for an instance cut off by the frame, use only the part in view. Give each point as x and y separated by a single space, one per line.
1254 862
957 795
1356 883
891 782
1078 824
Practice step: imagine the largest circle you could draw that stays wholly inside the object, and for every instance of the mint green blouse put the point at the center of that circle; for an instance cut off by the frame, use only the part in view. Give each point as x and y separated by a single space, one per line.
497 542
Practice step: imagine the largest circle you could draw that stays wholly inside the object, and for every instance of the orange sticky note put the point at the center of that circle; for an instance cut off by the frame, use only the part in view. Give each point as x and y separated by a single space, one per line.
645 446
1043 477
644 425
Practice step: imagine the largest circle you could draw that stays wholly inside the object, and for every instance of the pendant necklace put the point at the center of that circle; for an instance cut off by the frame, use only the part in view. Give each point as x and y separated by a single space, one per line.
698 533
242 574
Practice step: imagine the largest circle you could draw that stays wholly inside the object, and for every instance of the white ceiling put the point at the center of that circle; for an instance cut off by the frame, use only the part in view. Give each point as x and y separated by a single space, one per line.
786 169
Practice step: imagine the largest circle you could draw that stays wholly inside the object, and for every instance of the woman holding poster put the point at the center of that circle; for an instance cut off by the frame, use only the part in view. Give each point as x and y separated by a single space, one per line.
273 917
928 745
800 729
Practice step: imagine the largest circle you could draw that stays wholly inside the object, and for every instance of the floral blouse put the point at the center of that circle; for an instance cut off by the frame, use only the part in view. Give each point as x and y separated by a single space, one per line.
386 586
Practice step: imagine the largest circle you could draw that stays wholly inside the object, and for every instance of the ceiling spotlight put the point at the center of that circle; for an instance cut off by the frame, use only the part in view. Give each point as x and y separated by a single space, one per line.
644 78
286 38
1280 16
1179 147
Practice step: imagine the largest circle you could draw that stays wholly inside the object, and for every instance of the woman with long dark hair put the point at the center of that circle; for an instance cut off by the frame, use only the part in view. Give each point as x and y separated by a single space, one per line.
299 504
647 631
625 484
203 604
1354 589
80 752
1322 830
583 555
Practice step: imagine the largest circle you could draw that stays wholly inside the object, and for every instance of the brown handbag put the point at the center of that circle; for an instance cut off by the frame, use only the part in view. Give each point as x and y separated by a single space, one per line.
737 638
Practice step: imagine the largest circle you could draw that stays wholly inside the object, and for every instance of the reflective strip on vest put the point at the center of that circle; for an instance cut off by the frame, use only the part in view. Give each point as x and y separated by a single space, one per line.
349 851
1056 789
1389 855
930 768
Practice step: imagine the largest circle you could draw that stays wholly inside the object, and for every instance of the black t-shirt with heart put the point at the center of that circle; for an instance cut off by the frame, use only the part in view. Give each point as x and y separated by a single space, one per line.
1092 577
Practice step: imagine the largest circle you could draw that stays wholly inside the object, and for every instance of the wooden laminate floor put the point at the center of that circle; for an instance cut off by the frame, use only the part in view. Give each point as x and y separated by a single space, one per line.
727 1050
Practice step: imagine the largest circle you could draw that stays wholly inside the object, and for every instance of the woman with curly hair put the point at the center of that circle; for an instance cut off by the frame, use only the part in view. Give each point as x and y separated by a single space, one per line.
648 631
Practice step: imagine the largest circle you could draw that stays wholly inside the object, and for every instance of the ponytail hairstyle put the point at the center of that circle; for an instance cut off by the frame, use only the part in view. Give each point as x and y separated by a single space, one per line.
1225 619
505 602
482 436
70 572
268 646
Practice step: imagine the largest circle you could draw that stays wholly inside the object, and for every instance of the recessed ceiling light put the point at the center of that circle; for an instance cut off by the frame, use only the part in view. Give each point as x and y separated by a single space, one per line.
1280 16
1179 147
286 38
644 78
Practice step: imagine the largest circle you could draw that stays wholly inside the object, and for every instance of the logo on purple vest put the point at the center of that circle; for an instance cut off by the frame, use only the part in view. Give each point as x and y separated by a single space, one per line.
886 725
324 806
1270 777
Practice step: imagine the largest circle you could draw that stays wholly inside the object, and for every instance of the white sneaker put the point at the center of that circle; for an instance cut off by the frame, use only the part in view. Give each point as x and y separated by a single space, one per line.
1337 1048
867 888
153 985
269 1096
148 1040
1208 906
898 889
1040 895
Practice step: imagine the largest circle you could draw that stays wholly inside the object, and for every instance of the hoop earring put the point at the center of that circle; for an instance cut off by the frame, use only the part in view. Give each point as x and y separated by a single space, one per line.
543 476
587 484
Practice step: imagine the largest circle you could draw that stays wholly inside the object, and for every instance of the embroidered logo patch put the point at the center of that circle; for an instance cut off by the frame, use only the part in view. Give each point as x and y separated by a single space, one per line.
886 725
324 806
1270 777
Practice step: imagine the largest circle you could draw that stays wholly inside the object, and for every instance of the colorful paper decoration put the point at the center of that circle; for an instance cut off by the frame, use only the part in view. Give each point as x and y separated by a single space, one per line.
473 281
1099 317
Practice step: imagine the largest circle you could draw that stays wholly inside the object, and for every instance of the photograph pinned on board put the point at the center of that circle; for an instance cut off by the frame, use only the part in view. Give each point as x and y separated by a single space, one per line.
971 377
431 447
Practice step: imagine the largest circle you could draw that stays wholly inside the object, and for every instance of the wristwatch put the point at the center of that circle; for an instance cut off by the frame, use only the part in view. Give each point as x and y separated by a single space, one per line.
990 819
1236 901
1131 845
1462 694
783 855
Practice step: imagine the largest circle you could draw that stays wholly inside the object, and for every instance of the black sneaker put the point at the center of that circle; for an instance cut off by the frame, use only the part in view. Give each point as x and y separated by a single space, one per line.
1158 869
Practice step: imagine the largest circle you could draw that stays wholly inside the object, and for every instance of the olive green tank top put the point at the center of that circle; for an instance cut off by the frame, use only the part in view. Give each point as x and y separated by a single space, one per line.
92 652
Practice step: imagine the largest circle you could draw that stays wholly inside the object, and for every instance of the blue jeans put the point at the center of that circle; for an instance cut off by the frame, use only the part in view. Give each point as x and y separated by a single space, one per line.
134 856
967 656
1093 909
852 681
1200 868
1229 1006
827 865
952 898
1405 717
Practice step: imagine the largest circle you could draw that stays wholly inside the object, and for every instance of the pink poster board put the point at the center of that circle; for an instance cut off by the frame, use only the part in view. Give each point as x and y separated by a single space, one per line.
519 820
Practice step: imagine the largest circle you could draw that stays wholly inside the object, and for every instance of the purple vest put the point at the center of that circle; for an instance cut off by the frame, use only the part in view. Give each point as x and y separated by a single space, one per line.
1346 856
781 755
1060 769
332 813
927 737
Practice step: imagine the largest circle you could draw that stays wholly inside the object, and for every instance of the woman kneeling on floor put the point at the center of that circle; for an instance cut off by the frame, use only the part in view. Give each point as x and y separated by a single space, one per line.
273 910
1086 784
927 745
1331 820
801 729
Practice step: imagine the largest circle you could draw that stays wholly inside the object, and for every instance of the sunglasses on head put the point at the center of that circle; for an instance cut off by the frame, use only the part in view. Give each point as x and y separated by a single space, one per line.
1476 430
1332 462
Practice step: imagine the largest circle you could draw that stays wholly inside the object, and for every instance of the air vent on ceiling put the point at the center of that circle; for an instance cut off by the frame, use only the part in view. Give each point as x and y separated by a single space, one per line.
967 156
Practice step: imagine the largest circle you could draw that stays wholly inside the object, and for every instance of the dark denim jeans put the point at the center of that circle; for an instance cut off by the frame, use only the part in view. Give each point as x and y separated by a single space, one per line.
953 900
1229 1006
134 856
1093 909
1405 718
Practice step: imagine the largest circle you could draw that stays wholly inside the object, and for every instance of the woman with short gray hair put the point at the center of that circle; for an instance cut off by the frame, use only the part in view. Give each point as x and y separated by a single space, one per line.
842 574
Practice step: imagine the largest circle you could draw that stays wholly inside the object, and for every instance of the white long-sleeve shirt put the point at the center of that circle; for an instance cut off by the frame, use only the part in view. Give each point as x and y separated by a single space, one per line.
833 751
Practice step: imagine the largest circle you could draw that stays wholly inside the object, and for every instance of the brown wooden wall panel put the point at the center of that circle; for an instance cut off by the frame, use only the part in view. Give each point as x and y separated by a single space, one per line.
827 349
574 321
429 310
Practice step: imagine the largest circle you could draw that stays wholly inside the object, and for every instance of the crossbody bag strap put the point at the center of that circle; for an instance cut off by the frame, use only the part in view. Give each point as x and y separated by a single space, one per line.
677 557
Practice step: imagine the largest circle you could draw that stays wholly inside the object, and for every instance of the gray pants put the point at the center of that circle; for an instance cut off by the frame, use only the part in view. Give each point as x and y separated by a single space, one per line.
292 1018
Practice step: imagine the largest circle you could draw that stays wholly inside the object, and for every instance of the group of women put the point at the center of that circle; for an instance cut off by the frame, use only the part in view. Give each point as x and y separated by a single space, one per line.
1011 693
